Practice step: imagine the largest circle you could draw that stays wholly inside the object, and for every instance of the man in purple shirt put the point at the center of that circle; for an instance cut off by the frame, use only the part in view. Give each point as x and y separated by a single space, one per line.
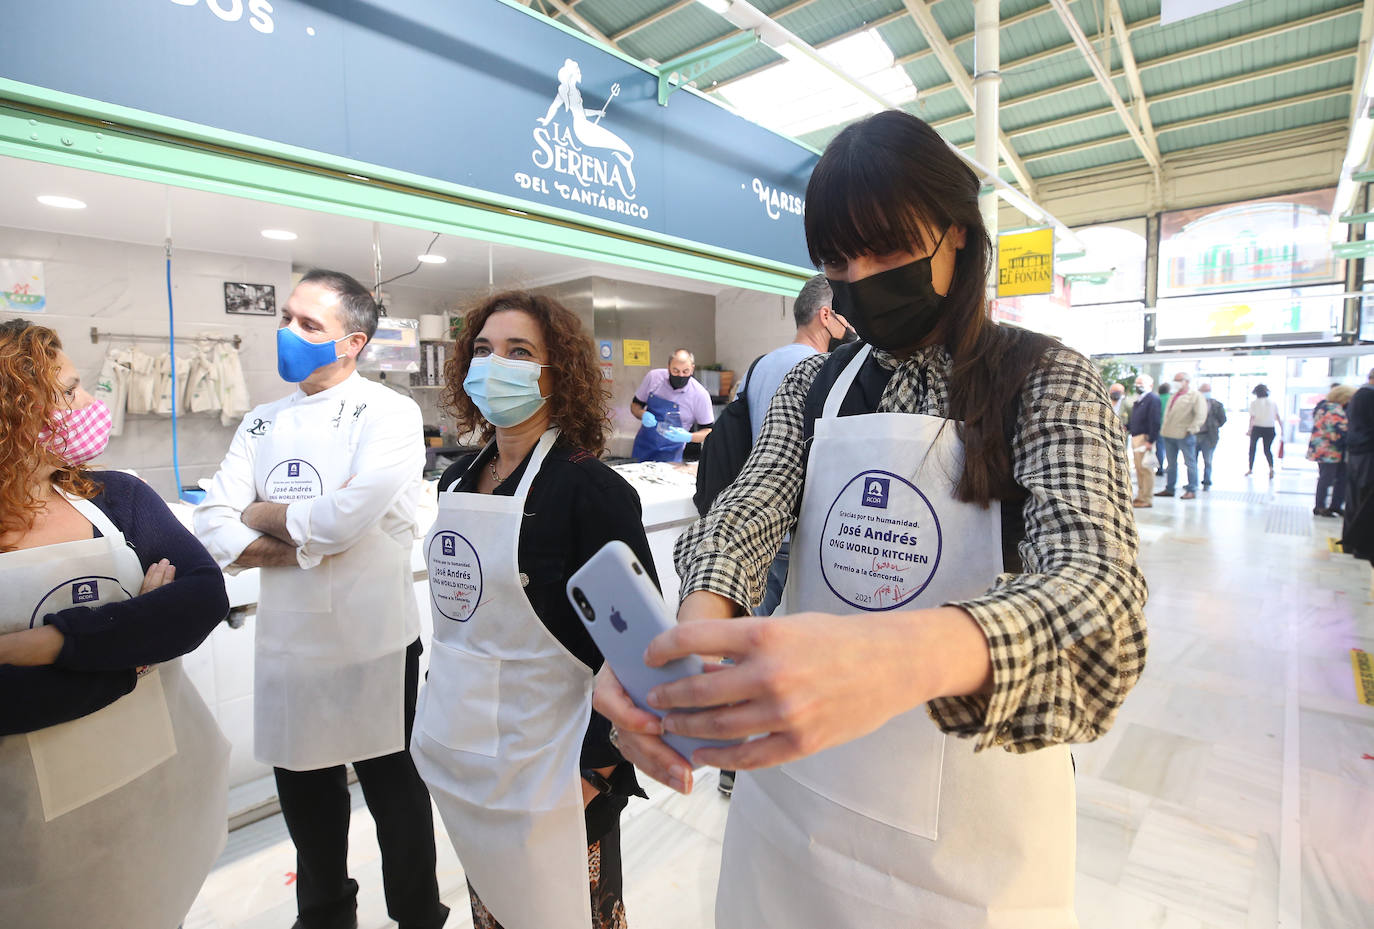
673 409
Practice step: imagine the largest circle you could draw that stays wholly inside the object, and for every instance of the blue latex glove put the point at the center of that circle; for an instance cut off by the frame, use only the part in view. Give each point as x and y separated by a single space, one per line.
677 434
649 420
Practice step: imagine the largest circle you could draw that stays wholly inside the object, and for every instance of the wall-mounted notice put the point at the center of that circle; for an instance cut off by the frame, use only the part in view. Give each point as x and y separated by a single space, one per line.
637 352
605 351
1025 263
21 286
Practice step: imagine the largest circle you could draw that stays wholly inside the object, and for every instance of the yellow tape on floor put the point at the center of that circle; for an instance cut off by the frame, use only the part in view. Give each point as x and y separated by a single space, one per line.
1363 666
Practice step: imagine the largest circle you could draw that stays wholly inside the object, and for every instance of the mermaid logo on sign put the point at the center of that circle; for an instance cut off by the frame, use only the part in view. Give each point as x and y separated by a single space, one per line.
584 160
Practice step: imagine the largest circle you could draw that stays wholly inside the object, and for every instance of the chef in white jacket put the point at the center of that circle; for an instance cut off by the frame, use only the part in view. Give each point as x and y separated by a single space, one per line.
319 490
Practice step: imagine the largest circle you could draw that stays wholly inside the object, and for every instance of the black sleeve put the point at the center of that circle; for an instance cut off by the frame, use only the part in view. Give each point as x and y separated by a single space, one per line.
606 509
35 698
153 627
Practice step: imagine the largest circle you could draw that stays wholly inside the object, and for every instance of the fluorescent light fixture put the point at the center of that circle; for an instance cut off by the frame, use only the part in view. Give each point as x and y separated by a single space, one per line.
280 235
62 203
431 259
716 6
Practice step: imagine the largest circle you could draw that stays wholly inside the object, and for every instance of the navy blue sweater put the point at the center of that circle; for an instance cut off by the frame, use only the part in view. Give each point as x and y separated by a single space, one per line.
1147 415
105 644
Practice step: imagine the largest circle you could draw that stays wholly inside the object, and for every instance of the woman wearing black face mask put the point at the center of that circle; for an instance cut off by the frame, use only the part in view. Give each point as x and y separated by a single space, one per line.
965 547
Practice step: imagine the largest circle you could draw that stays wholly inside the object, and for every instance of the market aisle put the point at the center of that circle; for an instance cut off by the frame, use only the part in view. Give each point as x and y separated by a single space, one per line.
1247 703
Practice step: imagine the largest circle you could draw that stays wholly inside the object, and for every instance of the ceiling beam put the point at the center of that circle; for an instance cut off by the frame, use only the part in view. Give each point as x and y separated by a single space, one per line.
1192 123
1219 84
935 38
883 21
650 20
580 21
1142 106
1149 148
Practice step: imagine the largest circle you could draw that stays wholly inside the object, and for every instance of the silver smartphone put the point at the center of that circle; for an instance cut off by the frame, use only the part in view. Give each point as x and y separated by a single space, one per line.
623 611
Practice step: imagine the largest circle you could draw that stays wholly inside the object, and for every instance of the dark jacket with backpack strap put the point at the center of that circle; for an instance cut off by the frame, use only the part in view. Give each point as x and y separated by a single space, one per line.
726 448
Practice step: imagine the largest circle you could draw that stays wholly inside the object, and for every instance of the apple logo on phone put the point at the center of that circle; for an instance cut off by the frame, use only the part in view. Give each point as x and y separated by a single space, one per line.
617 621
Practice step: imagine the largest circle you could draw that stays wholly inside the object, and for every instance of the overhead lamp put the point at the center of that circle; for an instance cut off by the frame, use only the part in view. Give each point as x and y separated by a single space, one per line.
431 259
62 203
716 6
279 235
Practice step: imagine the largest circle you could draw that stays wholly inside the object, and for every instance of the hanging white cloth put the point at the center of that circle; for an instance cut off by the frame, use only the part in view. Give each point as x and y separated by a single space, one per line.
112 386
142 382
233 388
165 400
202 383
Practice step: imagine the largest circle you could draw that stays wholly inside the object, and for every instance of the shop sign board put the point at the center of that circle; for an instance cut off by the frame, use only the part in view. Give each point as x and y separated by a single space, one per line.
21 286
478 93
1025 263
636 352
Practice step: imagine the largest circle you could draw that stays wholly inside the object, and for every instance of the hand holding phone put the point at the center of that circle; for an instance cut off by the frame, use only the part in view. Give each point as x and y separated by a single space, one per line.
623 611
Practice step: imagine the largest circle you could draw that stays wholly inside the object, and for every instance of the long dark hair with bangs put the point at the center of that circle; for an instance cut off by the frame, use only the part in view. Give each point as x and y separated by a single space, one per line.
887 184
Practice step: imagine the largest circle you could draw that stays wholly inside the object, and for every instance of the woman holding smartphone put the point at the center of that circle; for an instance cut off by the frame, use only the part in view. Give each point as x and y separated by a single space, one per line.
523 772
965 594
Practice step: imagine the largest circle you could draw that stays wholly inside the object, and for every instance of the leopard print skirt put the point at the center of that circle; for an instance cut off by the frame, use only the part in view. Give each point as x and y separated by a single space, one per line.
606 882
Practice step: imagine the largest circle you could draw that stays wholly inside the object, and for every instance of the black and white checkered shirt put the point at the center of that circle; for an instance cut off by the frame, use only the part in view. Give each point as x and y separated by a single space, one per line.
1068 635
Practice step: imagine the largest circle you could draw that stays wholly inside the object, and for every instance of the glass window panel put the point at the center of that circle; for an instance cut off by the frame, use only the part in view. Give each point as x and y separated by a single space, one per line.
1112 269
1272 242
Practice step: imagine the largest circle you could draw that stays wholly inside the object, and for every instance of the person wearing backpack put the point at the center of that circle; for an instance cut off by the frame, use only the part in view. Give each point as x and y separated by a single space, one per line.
816 324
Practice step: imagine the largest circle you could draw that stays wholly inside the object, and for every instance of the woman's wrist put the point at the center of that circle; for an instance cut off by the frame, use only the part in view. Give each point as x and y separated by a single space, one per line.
935 653
31 647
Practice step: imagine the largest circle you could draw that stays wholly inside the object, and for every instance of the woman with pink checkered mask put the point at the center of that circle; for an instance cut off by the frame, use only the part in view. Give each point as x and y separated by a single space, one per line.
114 770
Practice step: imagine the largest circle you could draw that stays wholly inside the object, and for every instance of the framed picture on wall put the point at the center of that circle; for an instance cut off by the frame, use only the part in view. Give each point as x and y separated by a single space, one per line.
250 299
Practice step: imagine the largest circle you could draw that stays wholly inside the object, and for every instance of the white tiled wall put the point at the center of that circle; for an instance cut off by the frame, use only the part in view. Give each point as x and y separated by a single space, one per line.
121 287
748 324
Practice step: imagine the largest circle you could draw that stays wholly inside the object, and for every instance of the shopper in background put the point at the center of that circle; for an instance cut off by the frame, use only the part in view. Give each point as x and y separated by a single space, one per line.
1264 425
946 679
1327 449
673 409
1117 394
1184 415
113 772
1147 413
321 491
523 772
1164 389
1210 433
1357 536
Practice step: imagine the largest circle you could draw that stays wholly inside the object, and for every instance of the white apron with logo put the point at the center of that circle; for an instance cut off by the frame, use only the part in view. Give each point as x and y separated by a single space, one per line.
112 820
498 734
903 827
330 651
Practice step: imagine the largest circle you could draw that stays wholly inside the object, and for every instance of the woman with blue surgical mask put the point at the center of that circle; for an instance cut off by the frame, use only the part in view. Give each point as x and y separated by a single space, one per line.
963 600
505 736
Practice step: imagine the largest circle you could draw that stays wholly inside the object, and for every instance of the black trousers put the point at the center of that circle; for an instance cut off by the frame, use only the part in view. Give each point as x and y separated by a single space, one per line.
1330 478
1358 536
1266 435
315 805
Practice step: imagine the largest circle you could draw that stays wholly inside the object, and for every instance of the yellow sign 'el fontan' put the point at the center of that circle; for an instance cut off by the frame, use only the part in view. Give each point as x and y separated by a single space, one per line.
1025 263
1364 676
636 352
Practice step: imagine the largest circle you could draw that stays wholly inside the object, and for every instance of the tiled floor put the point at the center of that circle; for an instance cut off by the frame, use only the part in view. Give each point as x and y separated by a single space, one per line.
1236 790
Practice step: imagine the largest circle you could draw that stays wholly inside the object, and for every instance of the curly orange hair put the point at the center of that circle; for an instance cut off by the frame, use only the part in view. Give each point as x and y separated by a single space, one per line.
579 399
30 391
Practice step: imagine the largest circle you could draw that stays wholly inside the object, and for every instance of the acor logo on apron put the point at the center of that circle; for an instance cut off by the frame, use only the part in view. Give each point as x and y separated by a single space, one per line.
291 480
74 592
455 576
871 558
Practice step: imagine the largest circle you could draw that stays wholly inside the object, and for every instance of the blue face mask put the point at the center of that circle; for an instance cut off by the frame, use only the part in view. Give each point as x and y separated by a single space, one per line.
298 358
505 392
